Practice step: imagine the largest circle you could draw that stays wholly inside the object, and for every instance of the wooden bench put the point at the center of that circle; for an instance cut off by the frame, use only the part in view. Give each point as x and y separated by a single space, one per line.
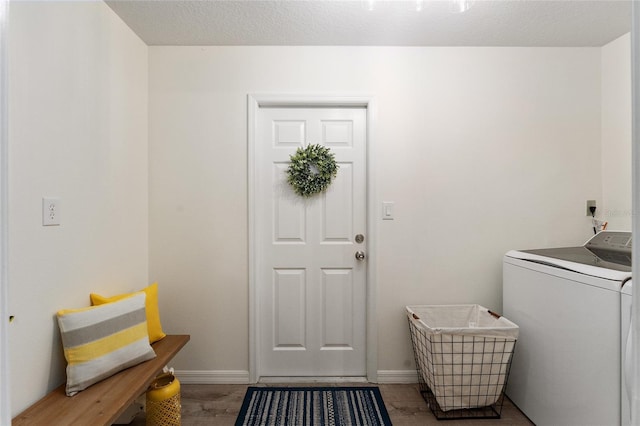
103 402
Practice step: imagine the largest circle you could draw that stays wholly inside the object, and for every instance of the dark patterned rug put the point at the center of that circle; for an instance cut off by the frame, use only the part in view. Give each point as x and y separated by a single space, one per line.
311 406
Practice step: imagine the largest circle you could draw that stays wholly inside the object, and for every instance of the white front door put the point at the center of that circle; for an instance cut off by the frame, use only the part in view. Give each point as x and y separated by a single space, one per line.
311 289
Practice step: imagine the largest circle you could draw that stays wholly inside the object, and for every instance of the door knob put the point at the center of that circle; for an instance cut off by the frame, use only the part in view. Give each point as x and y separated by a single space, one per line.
360 255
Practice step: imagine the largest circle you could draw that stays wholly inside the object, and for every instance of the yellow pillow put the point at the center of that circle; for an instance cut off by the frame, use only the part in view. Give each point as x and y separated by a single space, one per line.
101 340
151 307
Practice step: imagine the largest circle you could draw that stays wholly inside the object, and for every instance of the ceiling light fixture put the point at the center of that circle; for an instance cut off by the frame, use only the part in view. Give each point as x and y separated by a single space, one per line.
461 6
419 5
371 5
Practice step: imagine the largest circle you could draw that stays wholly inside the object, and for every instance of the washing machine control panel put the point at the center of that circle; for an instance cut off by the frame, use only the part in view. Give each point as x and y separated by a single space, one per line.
607 249
611 240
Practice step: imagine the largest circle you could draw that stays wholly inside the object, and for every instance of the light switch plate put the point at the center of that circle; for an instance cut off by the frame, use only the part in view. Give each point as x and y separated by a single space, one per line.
388 208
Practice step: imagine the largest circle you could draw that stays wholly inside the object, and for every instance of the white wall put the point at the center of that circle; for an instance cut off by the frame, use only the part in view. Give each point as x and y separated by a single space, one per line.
78 130
482 149
616 134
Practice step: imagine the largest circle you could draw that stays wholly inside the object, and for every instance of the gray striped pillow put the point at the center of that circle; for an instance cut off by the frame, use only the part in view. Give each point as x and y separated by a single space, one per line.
100 341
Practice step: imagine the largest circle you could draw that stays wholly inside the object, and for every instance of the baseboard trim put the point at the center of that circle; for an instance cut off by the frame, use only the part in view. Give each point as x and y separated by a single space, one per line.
230 377
213 377
397 376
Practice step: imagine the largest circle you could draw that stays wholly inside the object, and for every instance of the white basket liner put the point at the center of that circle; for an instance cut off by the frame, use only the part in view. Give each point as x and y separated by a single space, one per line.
470 374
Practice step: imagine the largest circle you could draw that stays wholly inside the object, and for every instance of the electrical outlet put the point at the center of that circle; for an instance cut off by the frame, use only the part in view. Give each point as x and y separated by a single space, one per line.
590 203
50 211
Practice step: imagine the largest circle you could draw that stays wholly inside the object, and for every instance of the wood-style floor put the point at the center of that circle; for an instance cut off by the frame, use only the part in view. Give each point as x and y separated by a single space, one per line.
220 405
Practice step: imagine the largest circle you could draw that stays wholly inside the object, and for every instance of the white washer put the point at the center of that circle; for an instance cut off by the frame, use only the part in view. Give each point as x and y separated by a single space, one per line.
625 358
567 363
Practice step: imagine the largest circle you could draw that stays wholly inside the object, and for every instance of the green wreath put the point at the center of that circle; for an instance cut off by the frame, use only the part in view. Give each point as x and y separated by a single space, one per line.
311 170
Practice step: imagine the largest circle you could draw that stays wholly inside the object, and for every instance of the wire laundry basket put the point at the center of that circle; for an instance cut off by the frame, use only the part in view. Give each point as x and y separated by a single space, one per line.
463 356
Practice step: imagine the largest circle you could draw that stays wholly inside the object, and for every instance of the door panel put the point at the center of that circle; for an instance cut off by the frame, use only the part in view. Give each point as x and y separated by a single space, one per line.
337 302
311 289
289 309
337 133
289 216
337 208
288 133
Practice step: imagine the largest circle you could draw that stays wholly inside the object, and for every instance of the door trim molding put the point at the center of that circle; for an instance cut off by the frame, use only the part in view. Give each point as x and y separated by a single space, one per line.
254 103
5 373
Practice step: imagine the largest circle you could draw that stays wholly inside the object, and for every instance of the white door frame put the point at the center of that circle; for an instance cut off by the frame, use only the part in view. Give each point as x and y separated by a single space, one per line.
5 401
255 102
635 173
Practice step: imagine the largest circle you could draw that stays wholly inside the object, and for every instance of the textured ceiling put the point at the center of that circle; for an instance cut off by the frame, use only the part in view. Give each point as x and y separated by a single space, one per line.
389 23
